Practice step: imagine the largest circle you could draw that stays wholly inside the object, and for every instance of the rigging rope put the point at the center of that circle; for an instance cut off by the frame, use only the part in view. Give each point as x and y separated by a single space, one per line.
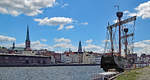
106 42
132 43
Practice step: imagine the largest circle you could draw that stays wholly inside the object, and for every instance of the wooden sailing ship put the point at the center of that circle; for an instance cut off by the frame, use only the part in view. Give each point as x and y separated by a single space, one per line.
113 59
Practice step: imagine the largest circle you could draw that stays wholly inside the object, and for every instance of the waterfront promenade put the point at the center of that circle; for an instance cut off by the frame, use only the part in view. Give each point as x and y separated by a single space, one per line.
136 74
144 74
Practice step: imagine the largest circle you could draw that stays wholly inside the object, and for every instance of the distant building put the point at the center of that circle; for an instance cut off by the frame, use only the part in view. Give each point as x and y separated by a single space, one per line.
132 57
80 53
91 58
70 57
20 50
57 57
145 58
80 47
3 50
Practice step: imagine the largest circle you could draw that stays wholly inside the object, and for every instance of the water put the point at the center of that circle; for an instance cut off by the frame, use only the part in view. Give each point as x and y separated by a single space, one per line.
49 73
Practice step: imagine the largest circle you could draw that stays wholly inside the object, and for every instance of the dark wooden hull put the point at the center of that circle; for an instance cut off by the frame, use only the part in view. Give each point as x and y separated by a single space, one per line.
113 62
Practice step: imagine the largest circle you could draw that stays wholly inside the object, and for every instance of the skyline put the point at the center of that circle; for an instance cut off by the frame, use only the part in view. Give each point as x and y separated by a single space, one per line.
60 25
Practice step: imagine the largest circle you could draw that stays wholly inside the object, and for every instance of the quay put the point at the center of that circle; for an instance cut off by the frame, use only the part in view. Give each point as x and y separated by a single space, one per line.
48 65
138 72
135 74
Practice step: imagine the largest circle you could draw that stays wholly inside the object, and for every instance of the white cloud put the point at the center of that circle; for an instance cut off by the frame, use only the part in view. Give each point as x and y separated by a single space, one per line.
62 40
27 7
85 23
6 38
142 47
64 5
142 10
115 21
44 40
126 12
61 47
20 45
132 14
64 45
69 27
89 41
142 44
55 21
104 41
60 27
94 48
36 45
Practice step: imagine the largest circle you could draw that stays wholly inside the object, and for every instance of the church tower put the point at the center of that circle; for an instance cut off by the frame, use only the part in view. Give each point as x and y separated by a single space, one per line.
27 42
13 47
80 47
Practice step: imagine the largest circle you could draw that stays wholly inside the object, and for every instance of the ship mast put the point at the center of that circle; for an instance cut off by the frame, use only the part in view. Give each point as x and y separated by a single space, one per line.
126 40
111 38
119 15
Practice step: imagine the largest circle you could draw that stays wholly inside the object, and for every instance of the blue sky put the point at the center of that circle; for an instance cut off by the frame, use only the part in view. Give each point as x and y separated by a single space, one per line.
61 24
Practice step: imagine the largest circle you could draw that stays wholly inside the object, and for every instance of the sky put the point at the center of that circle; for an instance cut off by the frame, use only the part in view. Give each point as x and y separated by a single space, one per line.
58 25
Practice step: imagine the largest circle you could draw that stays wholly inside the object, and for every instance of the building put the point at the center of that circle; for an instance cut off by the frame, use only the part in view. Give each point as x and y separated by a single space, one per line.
80 53
143 60
57 57
70 57
23 60
91 58
3 50
80 47
132 57
23 56
88 58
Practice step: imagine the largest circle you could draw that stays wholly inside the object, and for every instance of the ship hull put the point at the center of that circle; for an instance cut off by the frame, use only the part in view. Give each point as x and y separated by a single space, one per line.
113 62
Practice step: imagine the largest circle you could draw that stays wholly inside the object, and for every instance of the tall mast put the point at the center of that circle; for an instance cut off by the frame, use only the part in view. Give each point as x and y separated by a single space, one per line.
119 15
126 41
111 40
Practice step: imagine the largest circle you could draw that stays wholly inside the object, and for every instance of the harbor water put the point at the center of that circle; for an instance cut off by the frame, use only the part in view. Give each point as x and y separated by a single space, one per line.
49 73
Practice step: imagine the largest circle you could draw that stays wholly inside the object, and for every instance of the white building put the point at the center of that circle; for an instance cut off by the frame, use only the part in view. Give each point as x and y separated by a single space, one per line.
91 58
70 57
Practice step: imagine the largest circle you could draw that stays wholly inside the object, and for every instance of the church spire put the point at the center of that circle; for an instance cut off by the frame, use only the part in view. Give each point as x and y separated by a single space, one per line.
80 47
27 42
27 36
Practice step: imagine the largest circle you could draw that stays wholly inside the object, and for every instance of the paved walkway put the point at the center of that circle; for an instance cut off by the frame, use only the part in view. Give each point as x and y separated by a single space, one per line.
144 74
